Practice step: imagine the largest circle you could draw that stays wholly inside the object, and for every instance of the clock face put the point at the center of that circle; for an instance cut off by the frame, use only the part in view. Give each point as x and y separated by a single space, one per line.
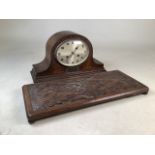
72 52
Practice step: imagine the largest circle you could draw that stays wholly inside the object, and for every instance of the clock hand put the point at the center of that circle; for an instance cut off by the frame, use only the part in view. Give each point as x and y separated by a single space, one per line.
76 48
71 58
72 55
73 52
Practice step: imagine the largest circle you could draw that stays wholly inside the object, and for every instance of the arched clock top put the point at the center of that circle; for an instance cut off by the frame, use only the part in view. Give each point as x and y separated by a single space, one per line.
58 62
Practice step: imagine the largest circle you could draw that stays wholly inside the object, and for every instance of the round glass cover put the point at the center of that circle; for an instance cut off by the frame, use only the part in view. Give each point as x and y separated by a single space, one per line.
72 52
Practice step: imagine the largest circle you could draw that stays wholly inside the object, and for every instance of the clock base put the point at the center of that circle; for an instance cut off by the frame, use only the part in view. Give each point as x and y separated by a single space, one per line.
95 66
57 96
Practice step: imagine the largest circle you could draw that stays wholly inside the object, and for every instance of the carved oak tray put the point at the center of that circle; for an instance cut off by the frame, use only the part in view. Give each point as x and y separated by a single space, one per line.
63 95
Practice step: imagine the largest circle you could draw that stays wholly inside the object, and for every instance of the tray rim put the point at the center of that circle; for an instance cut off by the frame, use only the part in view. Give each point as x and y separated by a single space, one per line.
33 116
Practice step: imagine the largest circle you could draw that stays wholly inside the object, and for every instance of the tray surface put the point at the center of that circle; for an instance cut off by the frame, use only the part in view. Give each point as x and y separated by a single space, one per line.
61 95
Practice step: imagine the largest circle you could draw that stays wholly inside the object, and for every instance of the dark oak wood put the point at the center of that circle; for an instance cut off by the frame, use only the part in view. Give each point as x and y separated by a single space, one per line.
62 95
50 67
58 89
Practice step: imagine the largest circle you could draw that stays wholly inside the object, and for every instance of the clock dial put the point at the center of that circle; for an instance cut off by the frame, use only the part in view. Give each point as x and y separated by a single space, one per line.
72 53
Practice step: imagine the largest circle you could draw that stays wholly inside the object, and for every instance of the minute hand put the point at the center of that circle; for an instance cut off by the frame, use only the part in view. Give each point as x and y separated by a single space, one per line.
73 52
72 55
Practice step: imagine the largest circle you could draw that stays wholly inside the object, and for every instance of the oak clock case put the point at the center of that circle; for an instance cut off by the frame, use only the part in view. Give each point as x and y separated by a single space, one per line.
52 66
69 78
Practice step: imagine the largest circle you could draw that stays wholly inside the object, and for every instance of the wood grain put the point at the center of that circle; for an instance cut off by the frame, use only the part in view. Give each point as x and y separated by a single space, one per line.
58 96
58 89
50 67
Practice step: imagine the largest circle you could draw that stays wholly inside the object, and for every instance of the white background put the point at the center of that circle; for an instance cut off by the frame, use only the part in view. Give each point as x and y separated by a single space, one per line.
127 45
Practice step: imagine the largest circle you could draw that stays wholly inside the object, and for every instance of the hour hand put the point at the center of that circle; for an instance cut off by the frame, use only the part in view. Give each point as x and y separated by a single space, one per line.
76 48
